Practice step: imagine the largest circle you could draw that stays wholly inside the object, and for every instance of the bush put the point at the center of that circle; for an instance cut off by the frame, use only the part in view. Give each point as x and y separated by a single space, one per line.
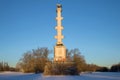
60 68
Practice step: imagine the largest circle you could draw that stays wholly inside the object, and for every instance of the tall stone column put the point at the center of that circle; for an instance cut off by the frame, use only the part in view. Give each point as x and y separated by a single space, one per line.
59 49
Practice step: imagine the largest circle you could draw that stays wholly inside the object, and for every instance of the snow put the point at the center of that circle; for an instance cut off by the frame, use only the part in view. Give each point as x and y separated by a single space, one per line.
82 76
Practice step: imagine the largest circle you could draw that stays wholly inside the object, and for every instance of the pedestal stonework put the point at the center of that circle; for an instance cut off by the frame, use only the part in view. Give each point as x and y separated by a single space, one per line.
59 53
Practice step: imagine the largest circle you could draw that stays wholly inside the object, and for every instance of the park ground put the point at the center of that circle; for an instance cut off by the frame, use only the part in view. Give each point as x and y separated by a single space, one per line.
82 76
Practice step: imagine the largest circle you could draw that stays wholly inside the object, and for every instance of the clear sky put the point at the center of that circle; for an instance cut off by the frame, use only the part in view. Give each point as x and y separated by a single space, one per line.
92 26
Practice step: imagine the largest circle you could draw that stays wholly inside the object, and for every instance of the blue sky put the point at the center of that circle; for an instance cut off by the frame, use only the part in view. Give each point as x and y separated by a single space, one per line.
92 26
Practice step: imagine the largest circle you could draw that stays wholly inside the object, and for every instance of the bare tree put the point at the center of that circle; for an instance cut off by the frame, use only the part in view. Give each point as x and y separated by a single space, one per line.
34 61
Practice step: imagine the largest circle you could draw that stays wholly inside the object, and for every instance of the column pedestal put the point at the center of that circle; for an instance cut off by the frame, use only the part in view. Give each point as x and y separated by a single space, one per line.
59 53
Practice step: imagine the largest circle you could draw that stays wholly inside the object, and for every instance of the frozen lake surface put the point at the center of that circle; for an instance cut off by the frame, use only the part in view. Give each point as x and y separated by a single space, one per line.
83 76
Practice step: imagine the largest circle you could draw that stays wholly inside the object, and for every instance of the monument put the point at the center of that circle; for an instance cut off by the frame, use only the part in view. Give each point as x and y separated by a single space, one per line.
60 66
59 49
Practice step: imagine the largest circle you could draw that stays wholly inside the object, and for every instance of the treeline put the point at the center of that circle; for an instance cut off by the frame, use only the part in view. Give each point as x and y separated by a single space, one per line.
4 66
115 68
36 60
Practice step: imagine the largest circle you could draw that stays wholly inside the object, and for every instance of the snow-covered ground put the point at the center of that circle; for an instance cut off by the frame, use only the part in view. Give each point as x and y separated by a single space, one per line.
83 76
